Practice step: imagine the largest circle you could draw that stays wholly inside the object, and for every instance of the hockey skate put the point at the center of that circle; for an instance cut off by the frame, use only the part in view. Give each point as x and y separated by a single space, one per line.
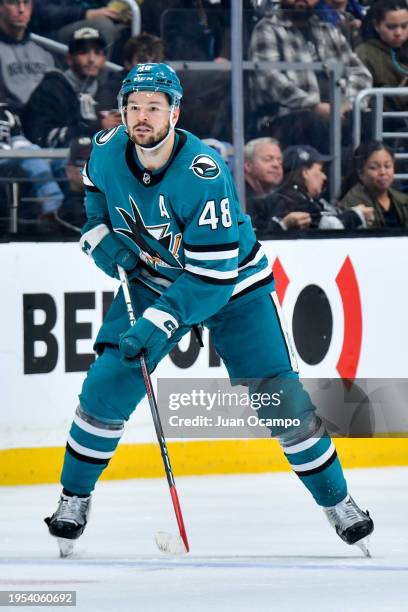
351 524
68 521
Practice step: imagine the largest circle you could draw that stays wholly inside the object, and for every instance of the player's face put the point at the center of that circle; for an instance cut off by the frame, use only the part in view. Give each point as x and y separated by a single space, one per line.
16 13
315 179
148 117
393 29
89 63
378 172
266 165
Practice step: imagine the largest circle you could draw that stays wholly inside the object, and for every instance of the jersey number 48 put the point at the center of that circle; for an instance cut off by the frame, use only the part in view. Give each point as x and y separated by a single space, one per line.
210 217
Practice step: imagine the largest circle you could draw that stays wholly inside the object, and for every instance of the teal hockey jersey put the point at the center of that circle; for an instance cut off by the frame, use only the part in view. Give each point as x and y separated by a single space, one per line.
197 249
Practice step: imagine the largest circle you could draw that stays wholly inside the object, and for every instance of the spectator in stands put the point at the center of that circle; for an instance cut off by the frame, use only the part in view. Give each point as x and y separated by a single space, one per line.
294 106
64 105
139 49
370 183
23 64
263 174
302 190
72 210
59 19
263 167
347 15
386 53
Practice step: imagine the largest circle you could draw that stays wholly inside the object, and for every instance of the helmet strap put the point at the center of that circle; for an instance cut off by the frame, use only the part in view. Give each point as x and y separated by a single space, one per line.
165 138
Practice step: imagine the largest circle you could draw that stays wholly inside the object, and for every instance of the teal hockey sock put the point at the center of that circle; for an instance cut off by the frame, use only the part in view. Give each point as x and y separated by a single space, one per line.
316 463
91 443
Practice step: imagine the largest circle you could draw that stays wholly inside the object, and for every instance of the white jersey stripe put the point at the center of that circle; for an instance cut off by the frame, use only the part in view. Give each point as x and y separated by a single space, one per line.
311 465
86 180
254 261
97 431
88 452
211 273
205 255
247 282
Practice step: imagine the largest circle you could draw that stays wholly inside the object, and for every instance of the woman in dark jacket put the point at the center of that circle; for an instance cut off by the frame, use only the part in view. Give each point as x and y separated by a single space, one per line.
302 188
370 183
385 52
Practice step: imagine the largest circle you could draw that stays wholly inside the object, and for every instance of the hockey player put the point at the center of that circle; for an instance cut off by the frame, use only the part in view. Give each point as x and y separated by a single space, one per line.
162 204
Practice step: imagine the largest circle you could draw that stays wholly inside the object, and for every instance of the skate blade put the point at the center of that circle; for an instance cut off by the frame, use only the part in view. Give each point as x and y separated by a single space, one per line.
170 544
66 547
364 547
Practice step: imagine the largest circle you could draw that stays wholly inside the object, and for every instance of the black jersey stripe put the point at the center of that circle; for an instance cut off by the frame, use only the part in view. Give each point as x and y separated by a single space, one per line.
153 271
318 469
93 189
281 330
255 285
250 255
203 248
85 458
212 280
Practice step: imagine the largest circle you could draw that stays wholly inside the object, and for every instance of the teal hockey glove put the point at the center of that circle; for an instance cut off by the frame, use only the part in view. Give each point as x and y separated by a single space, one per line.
107 250
149 335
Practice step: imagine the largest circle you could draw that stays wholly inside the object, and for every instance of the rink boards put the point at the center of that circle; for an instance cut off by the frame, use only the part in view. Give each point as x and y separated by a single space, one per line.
52 304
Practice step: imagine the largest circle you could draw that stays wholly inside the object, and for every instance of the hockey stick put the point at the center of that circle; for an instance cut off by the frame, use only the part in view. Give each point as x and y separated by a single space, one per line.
166 542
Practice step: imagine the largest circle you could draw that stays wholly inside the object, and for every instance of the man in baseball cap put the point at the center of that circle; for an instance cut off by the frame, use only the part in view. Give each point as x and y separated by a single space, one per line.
84 39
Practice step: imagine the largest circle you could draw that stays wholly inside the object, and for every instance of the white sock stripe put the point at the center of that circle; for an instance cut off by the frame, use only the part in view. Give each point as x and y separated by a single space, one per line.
311 465
97 431
93 237
251 280
211 273
208 255
161 319
88 452
302 446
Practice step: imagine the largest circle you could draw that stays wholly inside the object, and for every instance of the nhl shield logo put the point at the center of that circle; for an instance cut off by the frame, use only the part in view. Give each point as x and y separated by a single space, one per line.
146 178
205 167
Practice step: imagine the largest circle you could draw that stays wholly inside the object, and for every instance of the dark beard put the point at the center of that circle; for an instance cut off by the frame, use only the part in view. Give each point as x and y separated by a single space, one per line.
152 143
298 16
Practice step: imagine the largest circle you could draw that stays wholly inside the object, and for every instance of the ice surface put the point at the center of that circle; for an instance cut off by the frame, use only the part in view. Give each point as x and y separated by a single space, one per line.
258 543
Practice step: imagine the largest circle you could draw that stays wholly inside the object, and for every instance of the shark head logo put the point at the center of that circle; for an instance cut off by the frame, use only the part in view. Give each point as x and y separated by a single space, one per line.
205 167
153 242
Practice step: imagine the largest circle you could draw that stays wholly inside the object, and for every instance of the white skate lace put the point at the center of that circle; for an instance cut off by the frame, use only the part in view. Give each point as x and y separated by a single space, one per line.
345 514
72 509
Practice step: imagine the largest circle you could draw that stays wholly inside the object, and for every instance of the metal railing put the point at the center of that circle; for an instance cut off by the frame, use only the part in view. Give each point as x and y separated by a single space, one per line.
136 16
378 115
14 182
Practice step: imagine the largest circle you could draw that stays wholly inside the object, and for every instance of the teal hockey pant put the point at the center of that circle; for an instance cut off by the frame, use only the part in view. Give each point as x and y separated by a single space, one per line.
251 339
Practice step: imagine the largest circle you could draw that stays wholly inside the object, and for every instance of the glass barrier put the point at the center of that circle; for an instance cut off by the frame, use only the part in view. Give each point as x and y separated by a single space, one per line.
40 196
293 103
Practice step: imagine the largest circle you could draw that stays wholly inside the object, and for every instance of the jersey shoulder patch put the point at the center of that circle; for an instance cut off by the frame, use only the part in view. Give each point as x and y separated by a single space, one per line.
104 136
205 166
